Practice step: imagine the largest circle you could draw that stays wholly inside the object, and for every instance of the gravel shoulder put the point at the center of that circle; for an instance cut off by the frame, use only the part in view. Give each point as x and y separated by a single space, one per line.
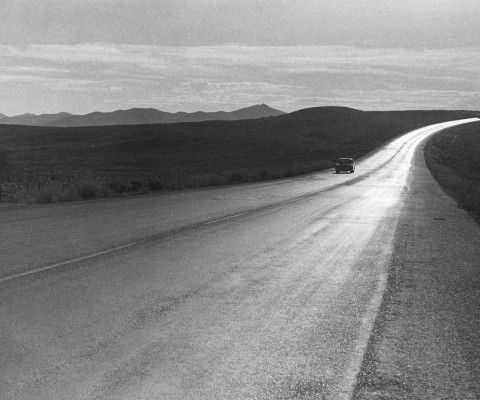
425 343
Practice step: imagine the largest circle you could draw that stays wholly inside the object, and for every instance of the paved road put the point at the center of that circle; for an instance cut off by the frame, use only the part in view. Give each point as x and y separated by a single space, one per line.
255 291
425 344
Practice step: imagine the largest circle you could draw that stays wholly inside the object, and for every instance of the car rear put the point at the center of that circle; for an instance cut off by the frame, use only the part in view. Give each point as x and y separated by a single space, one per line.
345 165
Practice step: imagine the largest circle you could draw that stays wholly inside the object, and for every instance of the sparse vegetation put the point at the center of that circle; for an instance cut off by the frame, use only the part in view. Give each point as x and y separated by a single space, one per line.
235 178
453 157
88 192
49 164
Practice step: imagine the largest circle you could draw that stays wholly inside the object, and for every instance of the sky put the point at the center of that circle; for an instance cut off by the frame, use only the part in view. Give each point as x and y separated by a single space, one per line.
81 56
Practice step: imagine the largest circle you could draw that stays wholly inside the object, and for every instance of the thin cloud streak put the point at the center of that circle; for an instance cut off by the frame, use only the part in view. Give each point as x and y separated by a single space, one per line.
295 57
231 76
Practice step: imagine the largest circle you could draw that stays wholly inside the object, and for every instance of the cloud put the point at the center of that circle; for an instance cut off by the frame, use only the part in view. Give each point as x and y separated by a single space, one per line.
32 69
207 77
295 59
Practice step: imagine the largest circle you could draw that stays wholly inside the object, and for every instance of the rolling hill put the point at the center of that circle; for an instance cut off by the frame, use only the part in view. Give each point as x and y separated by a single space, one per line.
59 164
137 116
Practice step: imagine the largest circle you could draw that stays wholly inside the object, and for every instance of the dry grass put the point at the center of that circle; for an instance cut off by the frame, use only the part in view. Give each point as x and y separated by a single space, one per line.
45 164
453 158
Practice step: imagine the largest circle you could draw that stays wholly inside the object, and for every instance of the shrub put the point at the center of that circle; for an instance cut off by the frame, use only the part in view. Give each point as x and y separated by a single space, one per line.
88 192
155 186
136 186
65 197
235 178
471 199
44 198
118 187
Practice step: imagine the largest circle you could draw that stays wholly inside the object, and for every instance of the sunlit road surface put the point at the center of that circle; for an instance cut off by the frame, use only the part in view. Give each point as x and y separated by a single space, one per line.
256 291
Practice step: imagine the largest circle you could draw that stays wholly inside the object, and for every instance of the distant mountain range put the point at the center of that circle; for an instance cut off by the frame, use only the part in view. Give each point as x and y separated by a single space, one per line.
137 116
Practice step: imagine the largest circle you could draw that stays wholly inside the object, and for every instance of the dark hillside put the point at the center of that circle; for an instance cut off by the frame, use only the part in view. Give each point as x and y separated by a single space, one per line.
453 157
58 164
137 116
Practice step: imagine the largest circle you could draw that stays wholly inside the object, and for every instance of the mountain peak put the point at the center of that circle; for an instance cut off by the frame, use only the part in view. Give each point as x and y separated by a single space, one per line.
257 111
262 106
135 116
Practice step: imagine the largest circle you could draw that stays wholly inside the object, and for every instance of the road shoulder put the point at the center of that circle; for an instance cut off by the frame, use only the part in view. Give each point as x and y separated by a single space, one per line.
425 342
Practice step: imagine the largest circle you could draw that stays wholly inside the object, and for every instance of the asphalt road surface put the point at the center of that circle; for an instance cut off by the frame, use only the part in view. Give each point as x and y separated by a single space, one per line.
257 291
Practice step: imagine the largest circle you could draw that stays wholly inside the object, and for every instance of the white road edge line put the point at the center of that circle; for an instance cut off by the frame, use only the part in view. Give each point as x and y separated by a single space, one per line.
66 262
131 244
99 253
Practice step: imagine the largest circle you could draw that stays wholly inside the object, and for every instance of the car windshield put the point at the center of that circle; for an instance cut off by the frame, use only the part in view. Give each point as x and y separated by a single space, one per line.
345 161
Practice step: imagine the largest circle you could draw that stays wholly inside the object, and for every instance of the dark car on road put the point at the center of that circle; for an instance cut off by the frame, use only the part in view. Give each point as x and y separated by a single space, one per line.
344 164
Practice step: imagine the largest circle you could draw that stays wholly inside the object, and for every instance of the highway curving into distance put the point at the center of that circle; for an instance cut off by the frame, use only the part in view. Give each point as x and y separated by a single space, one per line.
258 291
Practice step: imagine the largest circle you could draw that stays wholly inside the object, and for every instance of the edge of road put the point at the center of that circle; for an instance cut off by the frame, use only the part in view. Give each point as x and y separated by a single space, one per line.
424 342
216 220
13 206
194 226
173 232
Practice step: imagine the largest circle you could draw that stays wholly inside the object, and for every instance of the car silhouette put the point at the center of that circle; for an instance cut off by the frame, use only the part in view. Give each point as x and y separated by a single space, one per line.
344 164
